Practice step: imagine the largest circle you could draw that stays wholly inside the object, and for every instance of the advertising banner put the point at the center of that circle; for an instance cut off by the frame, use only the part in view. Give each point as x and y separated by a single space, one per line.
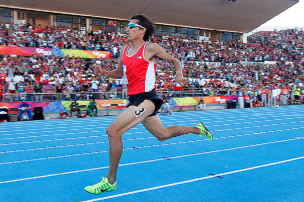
59 106
29 51
185 101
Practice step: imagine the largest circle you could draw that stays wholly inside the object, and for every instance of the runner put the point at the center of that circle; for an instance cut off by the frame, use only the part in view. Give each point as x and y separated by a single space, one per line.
137 66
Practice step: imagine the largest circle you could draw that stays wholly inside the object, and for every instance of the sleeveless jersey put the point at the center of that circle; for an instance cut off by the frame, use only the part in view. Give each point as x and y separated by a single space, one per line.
139 73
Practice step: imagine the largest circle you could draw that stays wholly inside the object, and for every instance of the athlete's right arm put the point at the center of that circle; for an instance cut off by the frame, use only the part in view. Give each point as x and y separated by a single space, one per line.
116 74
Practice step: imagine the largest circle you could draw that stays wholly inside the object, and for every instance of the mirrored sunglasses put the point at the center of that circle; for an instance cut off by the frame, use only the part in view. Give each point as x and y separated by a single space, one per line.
133 25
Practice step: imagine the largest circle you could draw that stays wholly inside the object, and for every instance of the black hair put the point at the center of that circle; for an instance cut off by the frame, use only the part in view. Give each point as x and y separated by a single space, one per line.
146 23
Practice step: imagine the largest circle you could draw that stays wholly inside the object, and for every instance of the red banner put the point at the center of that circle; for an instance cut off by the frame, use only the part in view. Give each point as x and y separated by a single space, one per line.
114 101
112 23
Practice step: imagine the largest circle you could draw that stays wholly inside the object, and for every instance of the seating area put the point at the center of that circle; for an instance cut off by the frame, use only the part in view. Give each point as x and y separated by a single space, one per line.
272 60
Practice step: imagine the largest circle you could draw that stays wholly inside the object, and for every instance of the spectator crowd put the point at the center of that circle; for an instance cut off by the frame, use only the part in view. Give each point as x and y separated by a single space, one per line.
272 60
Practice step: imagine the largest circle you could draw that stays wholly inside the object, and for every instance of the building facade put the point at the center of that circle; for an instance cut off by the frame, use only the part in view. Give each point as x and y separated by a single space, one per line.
87 23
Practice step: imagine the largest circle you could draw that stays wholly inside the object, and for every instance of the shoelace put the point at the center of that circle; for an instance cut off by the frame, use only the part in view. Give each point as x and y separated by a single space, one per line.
98 184
102 186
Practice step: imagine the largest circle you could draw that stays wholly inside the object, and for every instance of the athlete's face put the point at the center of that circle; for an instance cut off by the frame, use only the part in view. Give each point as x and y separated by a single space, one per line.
135 33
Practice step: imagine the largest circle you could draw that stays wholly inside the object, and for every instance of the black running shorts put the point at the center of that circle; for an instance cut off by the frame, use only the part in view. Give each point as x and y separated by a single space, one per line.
135 100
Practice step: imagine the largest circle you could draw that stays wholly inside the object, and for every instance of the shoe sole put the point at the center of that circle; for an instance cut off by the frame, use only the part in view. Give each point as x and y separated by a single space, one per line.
100 192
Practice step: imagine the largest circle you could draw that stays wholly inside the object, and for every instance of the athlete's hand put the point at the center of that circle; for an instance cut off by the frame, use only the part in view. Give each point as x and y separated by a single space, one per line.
180 79
99 71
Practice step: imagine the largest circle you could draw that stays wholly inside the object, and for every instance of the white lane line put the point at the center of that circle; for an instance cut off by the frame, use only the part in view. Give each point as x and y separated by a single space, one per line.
83 144
147 161
106 135
73 145
194 180
39 141
112 120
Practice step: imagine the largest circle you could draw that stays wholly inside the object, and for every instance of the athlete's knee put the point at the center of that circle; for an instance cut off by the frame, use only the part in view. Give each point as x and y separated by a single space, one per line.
112 132
162 136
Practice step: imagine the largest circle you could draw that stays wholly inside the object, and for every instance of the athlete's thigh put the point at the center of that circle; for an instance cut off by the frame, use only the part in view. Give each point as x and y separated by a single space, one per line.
154 125
131 117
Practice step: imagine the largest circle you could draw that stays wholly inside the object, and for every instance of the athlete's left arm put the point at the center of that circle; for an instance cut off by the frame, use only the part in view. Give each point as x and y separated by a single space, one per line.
157 51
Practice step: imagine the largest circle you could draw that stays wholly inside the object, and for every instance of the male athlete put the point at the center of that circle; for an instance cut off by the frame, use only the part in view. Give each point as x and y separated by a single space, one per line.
137 66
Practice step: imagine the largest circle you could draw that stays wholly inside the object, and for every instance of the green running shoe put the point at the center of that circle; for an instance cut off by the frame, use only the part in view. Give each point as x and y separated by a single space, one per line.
101 187
204 131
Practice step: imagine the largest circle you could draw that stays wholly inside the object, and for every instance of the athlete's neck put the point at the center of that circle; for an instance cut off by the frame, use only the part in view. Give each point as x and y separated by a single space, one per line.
136 44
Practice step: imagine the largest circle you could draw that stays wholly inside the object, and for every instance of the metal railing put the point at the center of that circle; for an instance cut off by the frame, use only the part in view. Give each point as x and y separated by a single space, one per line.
47 97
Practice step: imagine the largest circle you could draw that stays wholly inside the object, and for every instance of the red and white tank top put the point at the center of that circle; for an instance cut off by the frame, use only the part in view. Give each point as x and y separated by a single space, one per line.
139 73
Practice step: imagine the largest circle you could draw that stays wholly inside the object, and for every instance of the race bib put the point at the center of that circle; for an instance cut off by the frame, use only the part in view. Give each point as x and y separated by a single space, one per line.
139 112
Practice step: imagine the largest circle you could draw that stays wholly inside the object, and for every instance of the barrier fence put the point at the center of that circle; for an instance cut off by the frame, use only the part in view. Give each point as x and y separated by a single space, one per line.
67 96
59 106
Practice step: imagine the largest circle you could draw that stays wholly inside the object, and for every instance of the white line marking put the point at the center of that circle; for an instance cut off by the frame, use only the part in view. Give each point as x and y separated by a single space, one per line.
195 180
16 143
148 161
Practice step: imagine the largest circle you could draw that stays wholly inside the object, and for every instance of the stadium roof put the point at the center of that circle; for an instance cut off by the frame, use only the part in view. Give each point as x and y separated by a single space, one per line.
239 16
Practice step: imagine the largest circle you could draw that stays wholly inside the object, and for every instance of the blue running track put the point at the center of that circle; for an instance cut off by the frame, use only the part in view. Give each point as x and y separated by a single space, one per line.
256 155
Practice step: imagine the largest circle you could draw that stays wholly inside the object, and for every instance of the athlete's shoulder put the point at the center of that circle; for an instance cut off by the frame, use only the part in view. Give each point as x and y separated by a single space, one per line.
124 47
122 50
153 47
